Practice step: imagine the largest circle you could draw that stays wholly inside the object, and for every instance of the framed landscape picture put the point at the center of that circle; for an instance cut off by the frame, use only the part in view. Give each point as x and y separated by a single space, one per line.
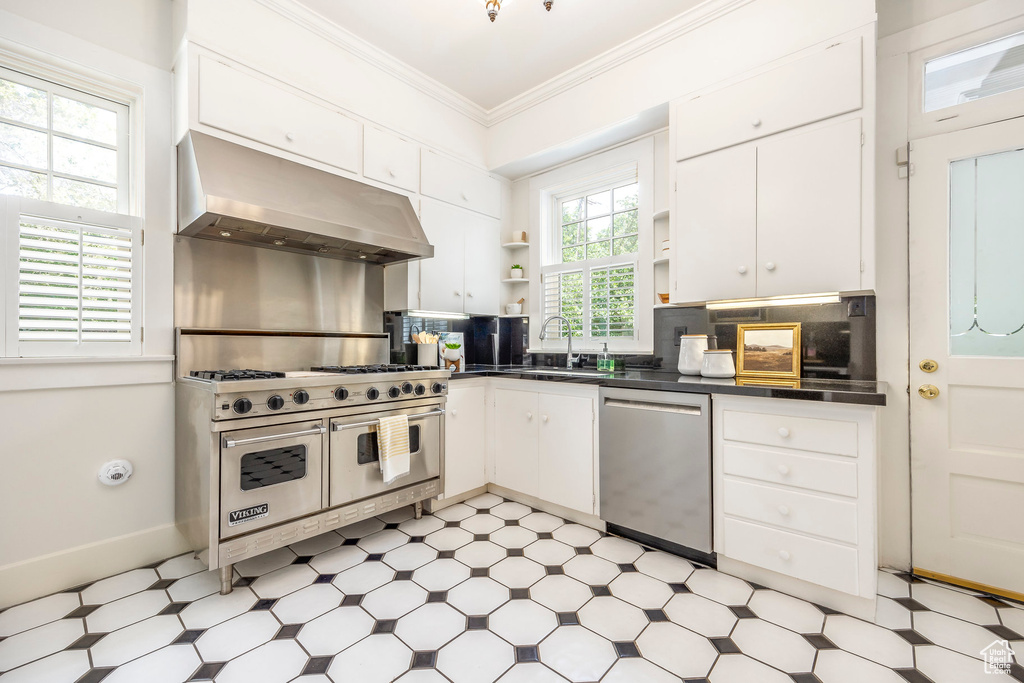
768 350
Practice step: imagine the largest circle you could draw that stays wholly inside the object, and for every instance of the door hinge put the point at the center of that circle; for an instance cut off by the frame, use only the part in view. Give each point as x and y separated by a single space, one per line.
142 237
862 139
903 161
142 334
862 266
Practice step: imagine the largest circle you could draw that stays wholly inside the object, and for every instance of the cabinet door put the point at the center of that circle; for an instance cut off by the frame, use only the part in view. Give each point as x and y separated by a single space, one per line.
567 451
390 159
809 211
442 277
464 436
483 259
714 220
459 184
515 441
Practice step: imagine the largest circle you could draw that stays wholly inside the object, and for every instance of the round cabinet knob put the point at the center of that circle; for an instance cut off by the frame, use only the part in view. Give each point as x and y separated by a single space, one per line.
756 123
454 413
437 388
420 390
406 387
301 397
465 197
742 270
289 136
241 406
784 511
469 295
275 402
529 416
783 470
458 293
341 393
784 555
391 172
543 418
770 266
394 392
372 394
783 432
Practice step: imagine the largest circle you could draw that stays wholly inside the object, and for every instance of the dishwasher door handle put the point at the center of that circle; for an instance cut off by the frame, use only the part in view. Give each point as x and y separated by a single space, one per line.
653 405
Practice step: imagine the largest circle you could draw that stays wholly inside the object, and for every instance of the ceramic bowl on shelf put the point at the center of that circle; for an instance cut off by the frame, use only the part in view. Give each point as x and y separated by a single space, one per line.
513 309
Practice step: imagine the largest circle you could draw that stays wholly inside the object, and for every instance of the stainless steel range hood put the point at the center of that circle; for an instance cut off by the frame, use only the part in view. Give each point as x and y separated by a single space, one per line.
235 194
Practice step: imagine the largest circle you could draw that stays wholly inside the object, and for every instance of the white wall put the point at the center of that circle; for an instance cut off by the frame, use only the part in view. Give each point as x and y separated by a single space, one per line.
62 420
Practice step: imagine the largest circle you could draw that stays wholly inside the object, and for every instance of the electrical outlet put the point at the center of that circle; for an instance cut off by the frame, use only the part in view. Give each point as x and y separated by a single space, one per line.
857 307
678 332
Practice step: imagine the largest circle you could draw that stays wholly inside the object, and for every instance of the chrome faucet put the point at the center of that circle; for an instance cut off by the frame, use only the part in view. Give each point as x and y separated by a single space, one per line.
570 359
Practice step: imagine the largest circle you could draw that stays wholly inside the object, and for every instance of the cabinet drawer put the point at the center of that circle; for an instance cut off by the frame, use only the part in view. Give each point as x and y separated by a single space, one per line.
798 433
802 471
821 562
238 103
390 159
456 183
773 101
802 512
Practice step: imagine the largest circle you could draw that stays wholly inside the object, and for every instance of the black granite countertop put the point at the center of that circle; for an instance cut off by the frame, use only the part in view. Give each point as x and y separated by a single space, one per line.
822 390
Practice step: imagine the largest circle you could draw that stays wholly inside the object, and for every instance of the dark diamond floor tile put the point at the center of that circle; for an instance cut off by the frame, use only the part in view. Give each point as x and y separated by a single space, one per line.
350 541
83 611
627 567
478 572
417 539
989 600
437 596
324 578
264 605
583 550
511 522
912 636
162 584
545 536
819 641
477 623
655 615
352 600
679 588
302 559
451 525
153 565
568 619
86 641
392 525
805 678
288 631
911 604
909 578
384 626
483 511
514 552
96 675
446 555
79 589
520 593
424 660
627 649
188 637
1004 632
742 612
481 537
174 608
318 665
527 653
208 671
696 680
913 676
600 591
1017 672
244 581
725 646
403 576
757 586
554 569
374 557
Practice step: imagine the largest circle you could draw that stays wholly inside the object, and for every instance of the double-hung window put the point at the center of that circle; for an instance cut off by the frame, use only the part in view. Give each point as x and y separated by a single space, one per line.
71 250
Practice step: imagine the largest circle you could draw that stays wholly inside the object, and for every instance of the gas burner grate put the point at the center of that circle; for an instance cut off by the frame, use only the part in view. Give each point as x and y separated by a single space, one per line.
231 375
368 369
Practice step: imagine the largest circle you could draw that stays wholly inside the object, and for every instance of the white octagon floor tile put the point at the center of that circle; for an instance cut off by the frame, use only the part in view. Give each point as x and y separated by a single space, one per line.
361 528
440 575
484 501
482 524
869 641
541 522
307 604
275 662
510 510
198 585
635 670
774 645
335 631
478 596
591 570
522 622
514 537
237 636
120 613
560 593
180 567
954 604
699 614
474 657
39 642
266 563
398 515
171 664
414 676
62 667
449 539
664 567
214 609
1013 618
954 634
517 572
891 615
577 654
617 550
383 541
430 626
316 544
36 613
532 673
455 513
480 554
641 590
787 611
394 600
119 586
741 669
136 640
426 524
612 618
891 586
410 556
281 582
549 552
338 560
722 588
363 578
837 666
943 666
576 535
681 652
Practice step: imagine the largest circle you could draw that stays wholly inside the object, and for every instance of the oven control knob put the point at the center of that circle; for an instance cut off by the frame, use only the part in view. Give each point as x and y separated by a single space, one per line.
437 388
341 393
394 392
420 390
407 387
275 402
372 394
300 397
242 406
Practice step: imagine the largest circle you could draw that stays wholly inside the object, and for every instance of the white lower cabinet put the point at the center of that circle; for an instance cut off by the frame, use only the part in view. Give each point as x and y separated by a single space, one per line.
465 437
516 457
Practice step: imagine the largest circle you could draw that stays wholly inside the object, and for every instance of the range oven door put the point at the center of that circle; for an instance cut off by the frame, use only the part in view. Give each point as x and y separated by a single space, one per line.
355 455
269 475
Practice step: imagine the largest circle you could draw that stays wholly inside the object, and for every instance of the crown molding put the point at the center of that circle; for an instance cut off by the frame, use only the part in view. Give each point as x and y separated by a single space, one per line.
319 25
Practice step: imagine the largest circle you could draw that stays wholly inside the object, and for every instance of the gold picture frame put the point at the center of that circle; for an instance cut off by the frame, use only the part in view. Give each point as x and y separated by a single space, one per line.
768 350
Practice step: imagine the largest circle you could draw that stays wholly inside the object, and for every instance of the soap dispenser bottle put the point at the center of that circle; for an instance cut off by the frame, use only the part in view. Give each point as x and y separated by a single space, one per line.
604 360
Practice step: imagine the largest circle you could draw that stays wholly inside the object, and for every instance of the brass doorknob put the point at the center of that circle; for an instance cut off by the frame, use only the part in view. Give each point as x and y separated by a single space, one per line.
928 365
928 391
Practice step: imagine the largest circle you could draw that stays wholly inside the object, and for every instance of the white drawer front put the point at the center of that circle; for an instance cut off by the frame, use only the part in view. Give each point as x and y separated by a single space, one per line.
799 433
809 559
459 184
774 101
803 512
802 471
390 159
238 103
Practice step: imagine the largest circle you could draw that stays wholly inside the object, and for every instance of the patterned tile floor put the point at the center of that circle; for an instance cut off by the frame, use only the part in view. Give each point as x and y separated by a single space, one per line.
489 590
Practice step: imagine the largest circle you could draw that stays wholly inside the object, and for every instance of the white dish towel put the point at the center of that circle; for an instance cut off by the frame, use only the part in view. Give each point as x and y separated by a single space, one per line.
393 441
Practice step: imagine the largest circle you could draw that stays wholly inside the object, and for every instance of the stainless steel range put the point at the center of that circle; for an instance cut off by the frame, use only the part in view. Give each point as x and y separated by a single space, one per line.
269 457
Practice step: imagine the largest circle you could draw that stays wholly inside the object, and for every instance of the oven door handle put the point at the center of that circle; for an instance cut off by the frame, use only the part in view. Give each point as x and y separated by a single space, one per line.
373 423
231 443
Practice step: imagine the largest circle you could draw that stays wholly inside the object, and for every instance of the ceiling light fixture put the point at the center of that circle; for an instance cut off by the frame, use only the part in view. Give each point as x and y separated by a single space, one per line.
494 6
548 4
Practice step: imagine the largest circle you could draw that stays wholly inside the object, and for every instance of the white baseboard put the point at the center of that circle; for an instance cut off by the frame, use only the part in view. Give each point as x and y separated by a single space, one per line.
31 579
433 504
593 521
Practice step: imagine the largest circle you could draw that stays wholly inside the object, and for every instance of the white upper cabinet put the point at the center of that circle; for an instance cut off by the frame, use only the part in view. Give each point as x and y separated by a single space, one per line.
463 275
810 89
238 103
461 185
389 159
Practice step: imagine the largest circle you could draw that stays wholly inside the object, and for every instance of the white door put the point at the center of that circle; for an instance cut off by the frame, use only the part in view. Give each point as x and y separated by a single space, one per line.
515 440
567 451
967 318
464 439
483 259
442 277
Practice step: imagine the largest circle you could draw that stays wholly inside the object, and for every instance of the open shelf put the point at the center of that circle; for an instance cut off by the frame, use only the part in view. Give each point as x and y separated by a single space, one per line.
658 215
513 280
663 259
518 315
665 306
515 245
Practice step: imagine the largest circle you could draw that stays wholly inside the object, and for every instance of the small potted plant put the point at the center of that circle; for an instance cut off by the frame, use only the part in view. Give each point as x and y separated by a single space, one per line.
517 272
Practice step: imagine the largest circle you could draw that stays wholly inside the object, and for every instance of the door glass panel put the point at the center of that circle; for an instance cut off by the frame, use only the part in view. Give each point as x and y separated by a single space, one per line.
975 73
368 449
274 466
986 253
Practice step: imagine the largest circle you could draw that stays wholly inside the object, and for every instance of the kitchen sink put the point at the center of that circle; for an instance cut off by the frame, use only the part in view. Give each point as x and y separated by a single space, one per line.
567 373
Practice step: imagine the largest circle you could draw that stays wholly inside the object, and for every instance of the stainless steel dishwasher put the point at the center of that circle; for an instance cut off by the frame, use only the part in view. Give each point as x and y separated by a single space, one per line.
656 467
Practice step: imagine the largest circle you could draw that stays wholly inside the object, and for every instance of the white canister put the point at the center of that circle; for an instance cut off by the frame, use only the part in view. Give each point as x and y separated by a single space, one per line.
691 353
718 363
